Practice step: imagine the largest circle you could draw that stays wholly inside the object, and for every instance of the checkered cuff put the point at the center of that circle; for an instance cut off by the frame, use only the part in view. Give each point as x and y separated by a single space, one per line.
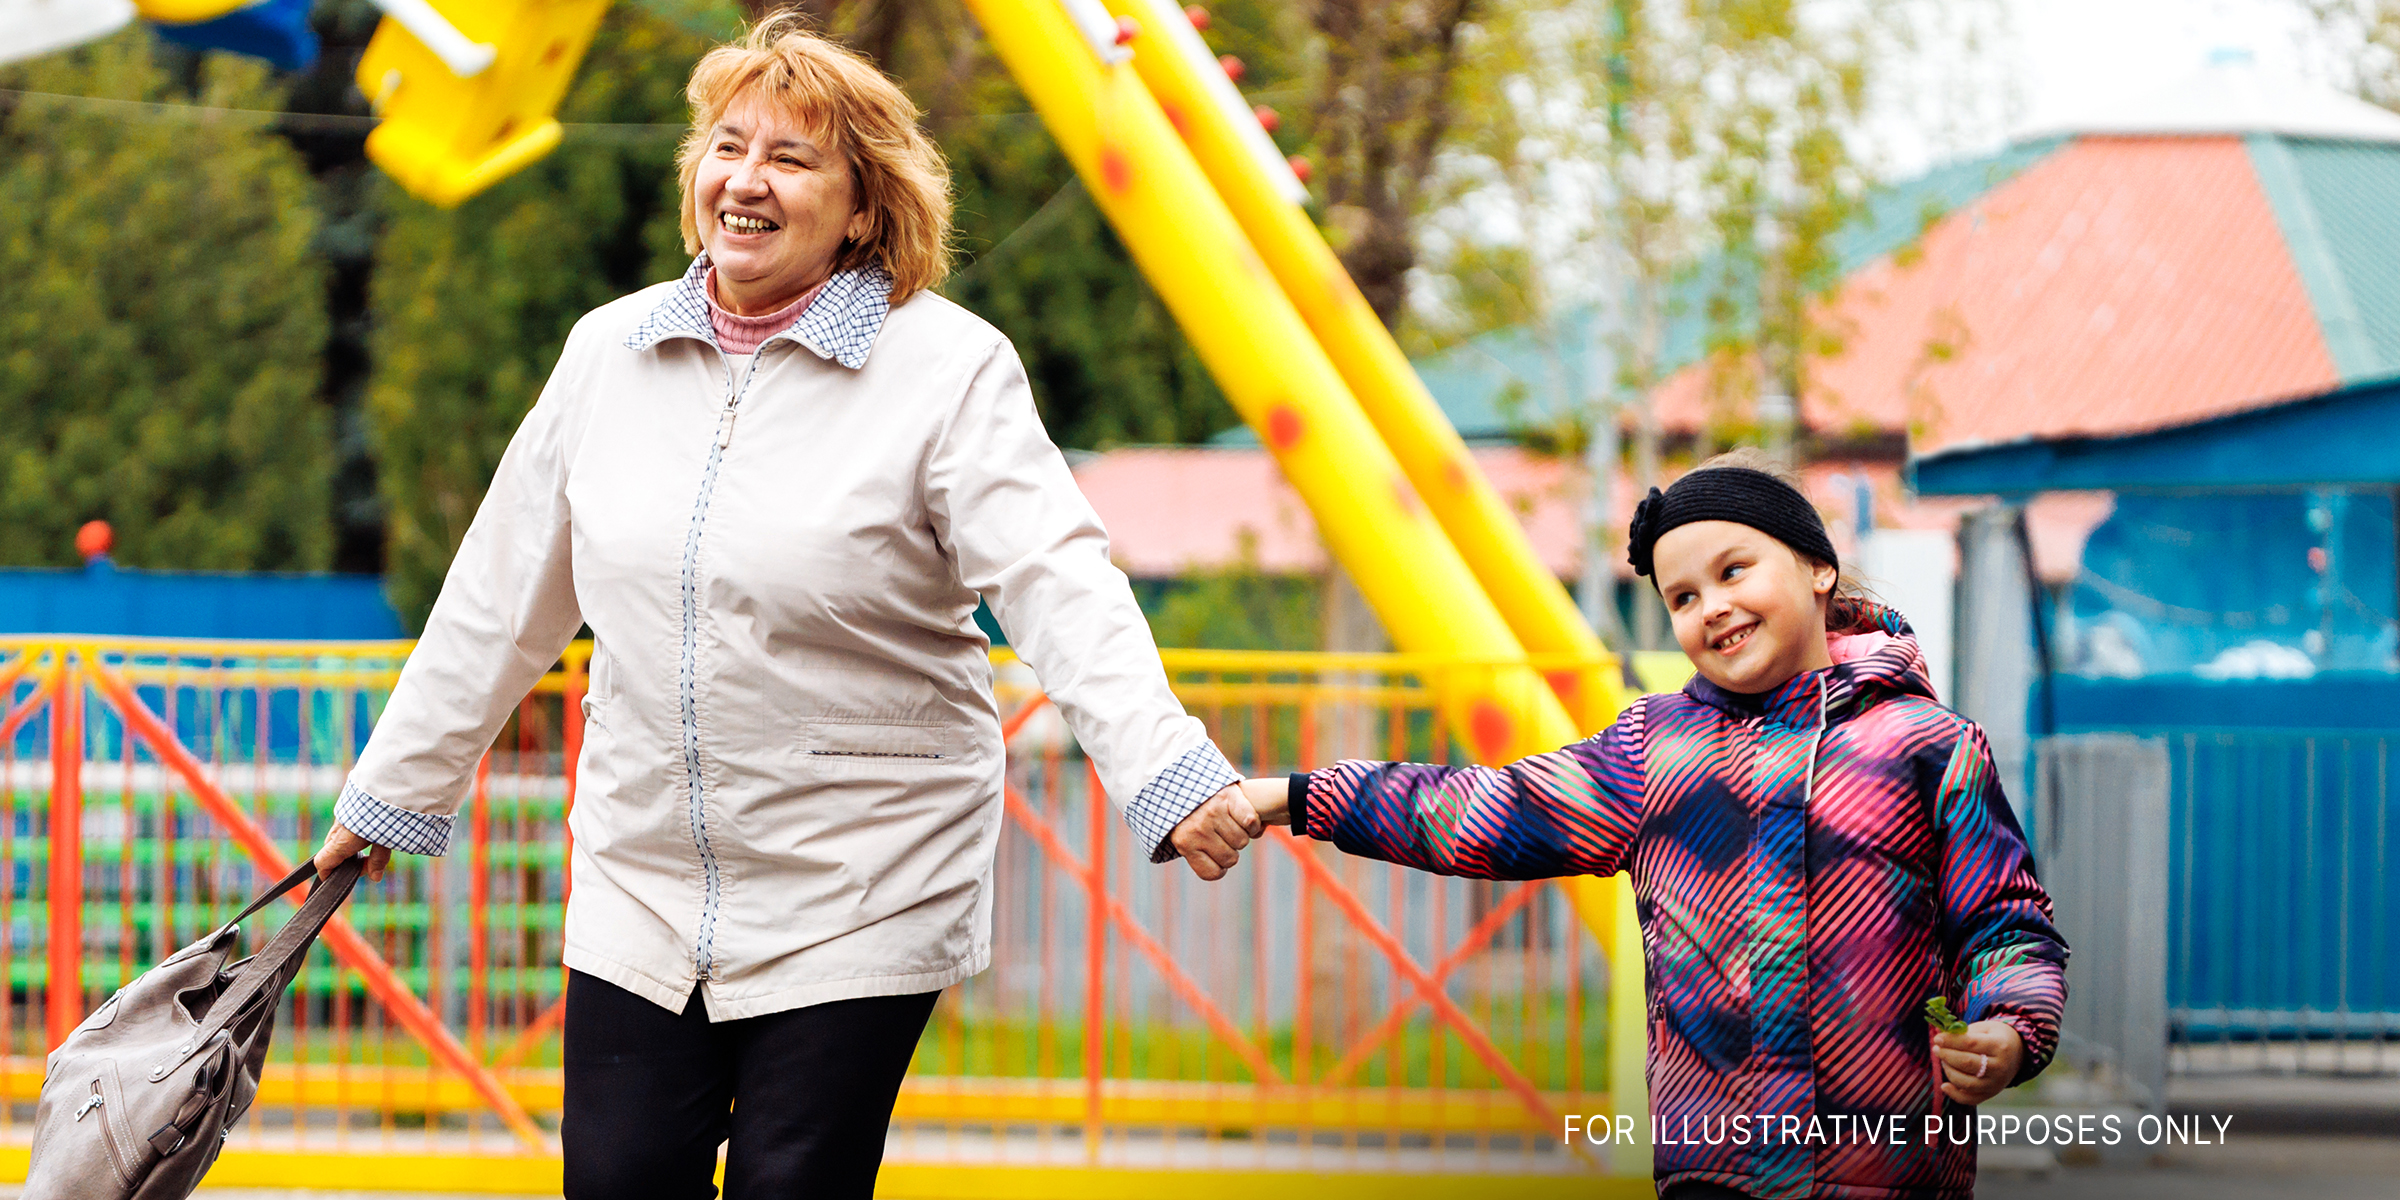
1166 800
384 825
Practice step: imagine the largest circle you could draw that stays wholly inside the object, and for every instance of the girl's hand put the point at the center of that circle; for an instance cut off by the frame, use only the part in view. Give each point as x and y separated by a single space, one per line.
340 844
1978 1064
1272 798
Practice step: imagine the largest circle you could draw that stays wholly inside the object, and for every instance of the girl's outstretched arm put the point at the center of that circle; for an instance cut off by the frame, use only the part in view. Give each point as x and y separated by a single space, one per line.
1996 920
1571 811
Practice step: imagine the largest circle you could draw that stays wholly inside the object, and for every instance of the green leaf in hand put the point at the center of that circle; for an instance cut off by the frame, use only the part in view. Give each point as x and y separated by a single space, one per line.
1937 1010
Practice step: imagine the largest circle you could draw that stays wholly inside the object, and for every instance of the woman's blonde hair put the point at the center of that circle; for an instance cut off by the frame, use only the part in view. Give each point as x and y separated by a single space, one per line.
902 184
1845 605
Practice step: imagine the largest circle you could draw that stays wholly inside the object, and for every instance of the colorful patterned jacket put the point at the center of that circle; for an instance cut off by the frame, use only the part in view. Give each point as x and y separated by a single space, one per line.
1809 866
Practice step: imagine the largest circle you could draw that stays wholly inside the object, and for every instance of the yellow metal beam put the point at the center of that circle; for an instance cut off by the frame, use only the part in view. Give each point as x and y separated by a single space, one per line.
968 1100
1191 87
1246 331
186 12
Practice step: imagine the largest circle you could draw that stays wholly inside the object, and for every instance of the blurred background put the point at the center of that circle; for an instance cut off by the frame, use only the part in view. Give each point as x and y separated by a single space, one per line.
2081 322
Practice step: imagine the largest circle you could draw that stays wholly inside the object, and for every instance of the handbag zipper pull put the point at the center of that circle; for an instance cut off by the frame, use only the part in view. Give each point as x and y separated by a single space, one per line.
90 1102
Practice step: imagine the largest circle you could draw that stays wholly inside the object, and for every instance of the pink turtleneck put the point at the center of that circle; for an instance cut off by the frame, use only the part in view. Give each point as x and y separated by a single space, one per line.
737 334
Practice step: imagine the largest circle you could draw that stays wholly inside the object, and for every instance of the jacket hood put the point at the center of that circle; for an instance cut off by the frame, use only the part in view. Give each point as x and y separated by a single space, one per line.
1874 657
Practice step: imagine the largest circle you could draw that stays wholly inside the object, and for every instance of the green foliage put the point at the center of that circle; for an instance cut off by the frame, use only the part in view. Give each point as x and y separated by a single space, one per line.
472 304
1937 1011
1108 365
160 347
1237 608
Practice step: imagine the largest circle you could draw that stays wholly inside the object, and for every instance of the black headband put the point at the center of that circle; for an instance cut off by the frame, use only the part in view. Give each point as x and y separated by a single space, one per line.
1737 494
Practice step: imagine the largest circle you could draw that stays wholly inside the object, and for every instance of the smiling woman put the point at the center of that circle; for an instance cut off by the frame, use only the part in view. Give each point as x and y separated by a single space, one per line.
804 160
777 488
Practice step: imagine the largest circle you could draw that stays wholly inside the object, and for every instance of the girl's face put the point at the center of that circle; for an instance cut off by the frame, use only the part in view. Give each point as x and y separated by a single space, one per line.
1748 610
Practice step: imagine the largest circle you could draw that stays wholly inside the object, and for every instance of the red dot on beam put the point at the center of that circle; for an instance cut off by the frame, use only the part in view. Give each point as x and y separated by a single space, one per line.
1283 427
1115 171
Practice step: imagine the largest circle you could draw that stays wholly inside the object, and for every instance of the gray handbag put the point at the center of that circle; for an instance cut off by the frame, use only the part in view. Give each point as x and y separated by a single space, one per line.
139 1099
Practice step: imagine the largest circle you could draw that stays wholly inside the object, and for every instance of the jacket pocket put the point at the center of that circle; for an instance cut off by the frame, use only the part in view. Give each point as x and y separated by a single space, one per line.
898 742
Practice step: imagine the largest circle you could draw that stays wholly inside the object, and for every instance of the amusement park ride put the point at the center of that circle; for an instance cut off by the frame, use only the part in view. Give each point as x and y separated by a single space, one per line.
467 92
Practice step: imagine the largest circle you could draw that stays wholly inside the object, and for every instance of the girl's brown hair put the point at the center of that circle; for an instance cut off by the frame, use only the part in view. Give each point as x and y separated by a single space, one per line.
903 186
1845 607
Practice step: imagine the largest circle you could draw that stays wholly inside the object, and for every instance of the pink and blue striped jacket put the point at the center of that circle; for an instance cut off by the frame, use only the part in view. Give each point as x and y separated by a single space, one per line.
1809 865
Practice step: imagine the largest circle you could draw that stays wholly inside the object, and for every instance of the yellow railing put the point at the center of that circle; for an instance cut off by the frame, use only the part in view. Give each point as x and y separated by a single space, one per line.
1315 1017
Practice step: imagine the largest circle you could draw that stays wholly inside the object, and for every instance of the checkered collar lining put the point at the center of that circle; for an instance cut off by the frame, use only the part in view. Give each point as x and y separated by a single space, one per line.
840 324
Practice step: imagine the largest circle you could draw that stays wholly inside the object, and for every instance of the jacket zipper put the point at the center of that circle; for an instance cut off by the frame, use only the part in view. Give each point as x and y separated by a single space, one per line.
97 1105
704 947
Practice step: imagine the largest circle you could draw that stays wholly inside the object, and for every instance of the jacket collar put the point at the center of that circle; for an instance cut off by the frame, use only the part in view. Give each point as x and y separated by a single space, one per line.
1878 657
840 324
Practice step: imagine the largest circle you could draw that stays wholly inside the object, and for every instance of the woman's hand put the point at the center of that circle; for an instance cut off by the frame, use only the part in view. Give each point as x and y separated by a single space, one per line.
1978 1064
1212 836
341 844
1270 798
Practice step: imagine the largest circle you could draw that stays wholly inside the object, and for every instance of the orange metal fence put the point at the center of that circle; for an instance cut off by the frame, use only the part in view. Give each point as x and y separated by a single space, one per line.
1311 1013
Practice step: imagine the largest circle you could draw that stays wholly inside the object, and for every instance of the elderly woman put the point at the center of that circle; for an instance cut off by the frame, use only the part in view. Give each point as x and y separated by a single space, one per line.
775 489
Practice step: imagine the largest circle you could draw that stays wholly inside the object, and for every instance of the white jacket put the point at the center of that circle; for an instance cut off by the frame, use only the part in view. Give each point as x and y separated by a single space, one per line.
790 786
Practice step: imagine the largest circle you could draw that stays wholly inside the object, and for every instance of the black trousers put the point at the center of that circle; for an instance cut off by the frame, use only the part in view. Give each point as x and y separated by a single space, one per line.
651 1095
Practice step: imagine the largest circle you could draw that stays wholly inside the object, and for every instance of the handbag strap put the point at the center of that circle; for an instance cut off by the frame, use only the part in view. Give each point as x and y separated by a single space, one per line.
301 874
275 963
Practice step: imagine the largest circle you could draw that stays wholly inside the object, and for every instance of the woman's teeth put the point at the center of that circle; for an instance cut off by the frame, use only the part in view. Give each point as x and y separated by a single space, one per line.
740 224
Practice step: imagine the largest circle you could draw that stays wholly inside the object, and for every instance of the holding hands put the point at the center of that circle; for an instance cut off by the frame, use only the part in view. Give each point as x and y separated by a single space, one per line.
1213 836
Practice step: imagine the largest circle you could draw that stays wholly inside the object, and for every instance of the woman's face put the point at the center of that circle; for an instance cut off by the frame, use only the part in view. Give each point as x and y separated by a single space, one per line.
1748 611
774 203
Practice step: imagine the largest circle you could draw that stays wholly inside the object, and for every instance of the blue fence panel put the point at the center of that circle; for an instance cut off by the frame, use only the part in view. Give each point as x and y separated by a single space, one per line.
2281 893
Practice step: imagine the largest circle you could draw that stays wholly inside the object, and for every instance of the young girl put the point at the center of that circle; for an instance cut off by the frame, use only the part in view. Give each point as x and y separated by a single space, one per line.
1817 846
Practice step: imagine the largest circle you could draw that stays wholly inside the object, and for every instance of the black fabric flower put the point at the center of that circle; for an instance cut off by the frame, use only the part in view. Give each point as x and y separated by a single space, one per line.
1643 534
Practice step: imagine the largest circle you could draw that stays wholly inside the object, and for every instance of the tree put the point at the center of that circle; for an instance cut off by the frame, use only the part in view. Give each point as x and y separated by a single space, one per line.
2363 40
1237 607
1384 106
160 345
472 305
1642 161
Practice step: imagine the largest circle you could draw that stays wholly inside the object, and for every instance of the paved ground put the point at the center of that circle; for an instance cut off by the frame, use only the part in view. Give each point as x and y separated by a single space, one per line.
2306 1137
2259 1167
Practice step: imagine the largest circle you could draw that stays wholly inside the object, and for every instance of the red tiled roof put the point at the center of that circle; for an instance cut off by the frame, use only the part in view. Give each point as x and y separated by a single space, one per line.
2119 284
1169 510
